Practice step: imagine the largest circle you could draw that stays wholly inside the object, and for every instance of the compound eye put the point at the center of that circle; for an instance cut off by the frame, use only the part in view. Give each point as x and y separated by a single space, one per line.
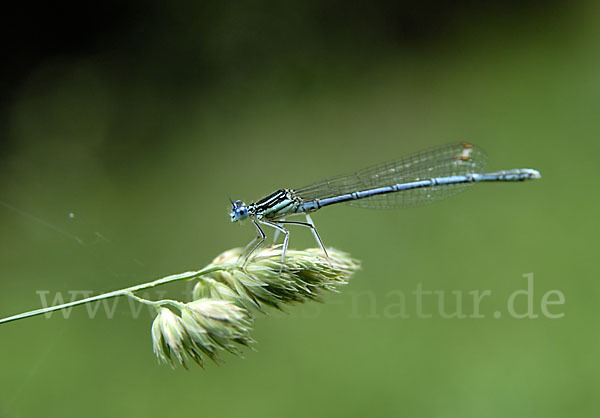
242 211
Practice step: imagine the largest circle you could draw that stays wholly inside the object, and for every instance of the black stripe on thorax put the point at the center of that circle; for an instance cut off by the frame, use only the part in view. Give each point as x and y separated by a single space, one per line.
272 200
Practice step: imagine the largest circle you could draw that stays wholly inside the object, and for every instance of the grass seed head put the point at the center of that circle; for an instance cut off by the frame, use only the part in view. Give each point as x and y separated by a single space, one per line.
219 318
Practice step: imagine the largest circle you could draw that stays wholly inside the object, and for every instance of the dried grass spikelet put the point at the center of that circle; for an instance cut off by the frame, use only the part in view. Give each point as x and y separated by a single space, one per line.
204 327
265 281
219 318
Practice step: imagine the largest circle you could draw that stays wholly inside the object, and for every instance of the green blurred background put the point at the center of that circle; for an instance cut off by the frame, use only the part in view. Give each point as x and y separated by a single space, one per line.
126 127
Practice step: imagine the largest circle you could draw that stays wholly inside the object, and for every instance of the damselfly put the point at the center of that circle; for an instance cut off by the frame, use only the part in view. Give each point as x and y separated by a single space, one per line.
414 180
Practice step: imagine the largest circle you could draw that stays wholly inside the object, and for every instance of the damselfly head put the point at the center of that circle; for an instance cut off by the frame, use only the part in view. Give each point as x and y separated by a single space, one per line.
239 211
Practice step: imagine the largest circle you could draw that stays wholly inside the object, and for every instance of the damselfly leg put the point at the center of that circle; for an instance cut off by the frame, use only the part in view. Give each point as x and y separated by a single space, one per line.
286 239
276 225
260 238
309 224
276 234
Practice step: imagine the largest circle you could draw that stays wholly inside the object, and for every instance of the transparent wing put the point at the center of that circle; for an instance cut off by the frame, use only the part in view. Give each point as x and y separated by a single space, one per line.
447 160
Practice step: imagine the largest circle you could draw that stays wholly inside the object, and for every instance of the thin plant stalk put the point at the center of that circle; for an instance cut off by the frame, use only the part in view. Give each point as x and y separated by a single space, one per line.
129 292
